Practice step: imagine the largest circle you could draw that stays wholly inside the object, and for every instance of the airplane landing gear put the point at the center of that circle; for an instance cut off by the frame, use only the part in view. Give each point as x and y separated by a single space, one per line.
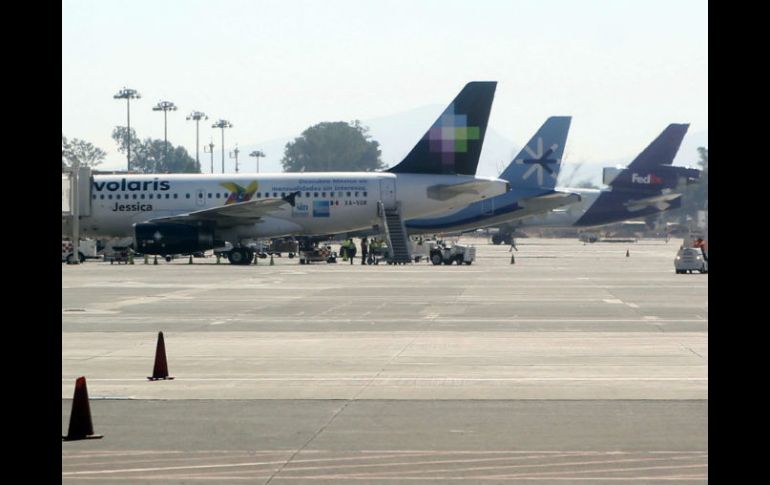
241 256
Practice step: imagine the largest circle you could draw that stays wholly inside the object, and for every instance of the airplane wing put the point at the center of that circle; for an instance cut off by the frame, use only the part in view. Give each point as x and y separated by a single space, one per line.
230 215
660 202
546 202
446 192
541 204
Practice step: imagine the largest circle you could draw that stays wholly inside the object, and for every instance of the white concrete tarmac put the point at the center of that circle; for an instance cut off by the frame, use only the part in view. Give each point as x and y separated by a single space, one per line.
494 368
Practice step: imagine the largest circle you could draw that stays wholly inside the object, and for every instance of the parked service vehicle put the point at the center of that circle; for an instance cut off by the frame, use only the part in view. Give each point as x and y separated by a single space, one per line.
279 246
119 254
689 260
317 254
420 248
457 253
86 249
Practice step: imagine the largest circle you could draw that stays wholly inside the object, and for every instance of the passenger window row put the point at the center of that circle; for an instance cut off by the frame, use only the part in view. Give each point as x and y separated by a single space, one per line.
275 195
137 196
225 195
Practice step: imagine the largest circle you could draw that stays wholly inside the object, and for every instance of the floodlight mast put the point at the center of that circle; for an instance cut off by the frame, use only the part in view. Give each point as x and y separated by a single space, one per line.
165 106
197 116
222 124
256 154
235 152
128 95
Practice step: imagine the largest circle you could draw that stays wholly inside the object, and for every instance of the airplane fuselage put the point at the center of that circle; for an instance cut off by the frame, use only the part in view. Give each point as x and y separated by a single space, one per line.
326 203
605 206
516 204
568 216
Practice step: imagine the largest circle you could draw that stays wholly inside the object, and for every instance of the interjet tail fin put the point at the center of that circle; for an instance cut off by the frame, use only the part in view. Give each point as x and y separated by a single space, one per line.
453 144
537 164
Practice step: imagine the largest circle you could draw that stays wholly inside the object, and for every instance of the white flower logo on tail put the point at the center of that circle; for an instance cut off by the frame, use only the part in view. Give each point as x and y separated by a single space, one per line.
539 161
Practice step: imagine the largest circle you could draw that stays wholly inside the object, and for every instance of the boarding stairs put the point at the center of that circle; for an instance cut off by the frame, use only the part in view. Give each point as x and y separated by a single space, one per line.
395 233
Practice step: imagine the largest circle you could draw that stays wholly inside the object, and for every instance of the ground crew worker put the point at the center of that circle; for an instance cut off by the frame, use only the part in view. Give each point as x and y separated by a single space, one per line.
351 249
364 250
699 243
510 250
374 249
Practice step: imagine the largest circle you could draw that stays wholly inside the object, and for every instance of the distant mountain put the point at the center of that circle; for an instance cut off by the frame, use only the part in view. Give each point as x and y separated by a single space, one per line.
688 152
687 156
271 162
398 133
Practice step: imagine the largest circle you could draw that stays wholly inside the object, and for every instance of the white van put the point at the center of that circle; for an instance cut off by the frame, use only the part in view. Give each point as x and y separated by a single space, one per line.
689 260
86 248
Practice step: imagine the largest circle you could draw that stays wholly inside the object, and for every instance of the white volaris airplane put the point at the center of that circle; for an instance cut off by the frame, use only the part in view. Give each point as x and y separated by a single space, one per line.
180 213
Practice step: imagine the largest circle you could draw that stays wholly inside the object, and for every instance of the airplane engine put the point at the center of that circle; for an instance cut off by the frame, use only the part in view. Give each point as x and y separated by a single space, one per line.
174 238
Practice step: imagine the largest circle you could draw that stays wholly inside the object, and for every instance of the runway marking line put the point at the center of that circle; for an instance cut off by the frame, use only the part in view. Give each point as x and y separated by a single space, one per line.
419 379
288 467
538 465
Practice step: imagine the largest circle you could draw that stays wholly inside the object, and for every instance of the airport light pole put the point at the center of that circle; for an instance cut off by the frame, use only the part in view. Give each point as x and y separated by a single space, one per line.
236 152
211 151
165 106
223 124
197 116
128 95
256 154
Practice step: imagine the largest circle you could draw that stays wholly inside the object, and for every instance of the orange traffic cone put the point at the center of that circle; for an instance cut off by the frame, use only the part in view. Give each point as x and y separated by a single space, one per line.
80 427
160 371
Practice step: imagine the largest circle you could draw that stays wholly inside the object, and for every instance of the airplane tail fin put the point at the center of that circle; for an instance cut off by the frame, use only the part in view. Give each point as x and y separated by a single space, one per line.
453 144
537 164
662 150
651 171
644 187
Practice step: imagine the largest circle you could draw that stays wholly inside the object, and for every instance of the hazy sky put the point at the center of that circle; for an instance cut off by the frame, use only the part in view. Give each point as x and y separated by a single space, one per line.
623 69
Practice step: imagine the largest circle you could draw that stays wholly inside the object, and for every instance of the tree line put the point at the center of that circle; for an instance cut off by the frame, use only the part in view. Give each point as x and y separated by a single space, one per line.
324 147
147 156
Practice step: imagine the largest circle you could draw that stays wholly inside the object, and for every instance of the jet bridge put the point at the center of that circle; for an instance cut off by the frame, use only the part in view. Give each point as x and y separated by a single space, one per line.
75 184
84 184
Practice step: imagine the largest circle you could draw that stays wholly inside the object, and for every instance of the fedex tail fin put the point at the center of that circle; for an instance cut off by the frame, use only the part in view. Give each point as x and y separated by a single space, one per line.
643 188
662 150
651 171
537 164
453 144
